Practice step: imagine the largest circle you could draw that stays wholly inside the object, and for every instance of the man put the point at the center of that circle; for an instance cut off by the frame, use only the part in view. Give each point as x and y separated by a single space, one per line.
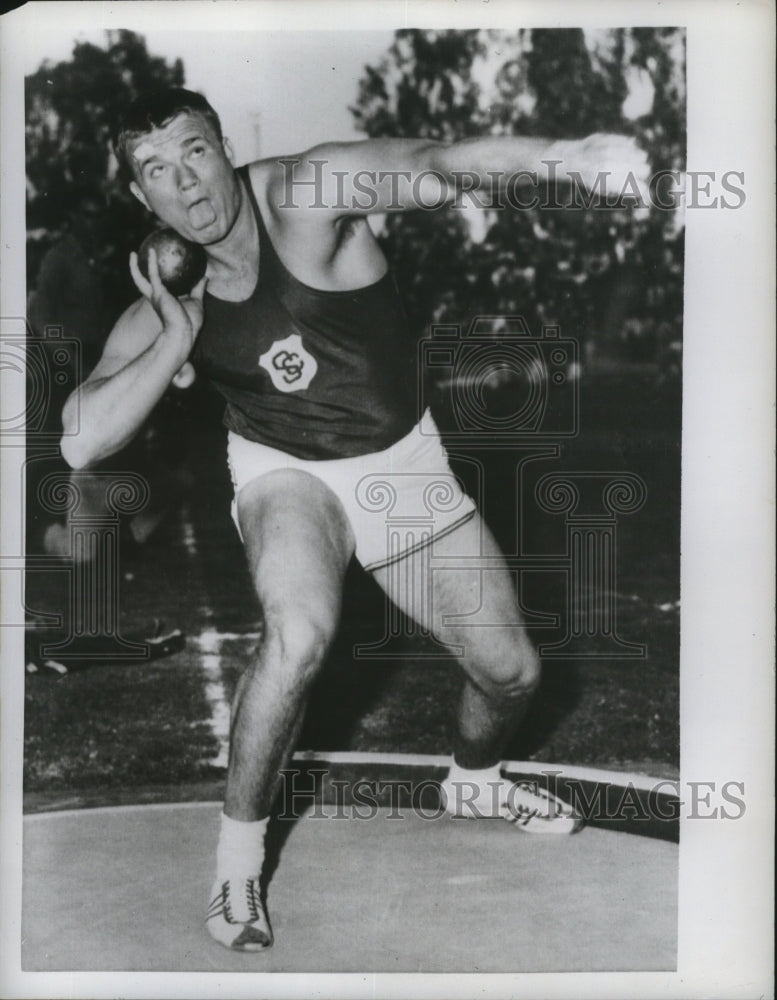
302 332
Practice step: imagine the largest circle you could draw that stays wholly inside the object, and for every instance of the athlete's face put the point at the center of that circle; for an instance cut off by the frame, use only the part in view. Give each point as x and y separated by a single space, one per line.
184 175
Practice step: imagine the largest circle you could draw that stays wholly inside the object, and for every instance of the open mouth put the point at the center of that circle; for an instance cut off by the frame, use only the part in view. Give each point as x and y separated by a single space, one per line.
201 213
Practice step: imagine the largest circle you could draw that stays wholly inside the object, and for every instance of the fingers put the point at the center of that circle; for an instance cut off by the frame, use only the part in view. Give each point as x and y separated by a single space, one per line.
142 284
151 287
623 148
170 310
629 159
157 288
626 166
199 289
185 376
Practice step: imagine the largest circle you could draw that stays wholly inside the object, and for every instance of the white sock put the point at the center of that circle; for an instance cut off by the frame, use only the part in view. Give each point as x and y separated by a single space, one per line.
474 788
481 776
240 851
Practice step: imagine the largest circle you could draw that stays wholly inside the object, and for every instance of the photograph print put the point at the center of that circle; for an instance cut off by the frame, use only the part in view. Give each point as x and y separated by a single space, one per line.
353 424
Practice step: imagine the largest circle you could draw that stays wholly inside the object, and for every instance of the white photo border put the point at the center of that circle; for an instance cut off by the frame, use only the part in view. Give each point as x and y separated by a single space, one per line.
727 685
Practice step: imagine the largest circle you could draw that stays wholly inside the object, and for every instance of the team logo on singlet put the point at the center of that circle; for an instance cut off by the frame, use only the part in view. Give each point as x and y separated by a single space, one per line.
288 364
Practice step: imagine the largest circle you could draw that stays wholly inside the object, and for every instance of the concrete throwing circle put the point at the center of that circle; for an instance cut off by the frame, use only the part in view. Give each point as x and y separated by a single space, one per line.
125 889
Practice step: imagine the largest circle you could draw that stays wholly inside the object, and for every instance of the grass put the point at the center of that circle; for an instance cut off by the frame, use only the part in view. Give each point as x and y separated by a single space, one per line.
113 729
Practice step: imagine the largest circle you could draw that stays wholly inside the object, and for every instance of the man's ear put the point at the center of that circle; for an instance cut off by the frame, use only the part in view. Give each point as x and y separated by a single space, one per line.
135 189
229 151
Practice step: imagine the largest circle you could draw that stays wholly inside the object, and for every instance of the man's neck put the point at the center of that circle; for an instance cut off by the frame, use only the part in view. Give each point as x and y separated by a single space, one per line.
237 254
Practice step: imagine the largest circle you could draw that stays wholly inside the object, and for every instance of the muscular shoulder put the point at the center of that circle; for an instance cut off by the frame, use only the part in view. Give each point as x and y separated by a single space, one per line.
319 243
278 185
261 174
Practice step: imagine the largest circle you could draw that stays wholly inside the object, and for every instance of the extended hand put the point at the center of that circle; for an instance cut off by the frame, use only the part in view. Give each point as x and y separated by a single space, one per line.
609 163
184 315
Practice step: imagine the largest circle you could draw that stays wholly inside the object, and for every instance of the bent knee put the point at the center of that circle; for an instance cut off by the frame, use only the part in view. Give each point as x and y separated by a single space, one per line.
514 675
295 645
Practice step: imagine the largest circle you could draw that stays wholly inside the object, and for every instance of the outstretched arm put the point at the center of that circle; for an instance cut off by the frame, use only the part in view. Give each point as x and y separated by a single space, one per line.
146 348
380 175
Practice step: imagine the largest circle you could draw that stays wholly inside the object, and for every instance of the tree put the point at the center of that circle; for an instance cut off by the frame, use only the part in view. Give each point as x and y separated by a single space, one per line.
424 88
549 266
72 109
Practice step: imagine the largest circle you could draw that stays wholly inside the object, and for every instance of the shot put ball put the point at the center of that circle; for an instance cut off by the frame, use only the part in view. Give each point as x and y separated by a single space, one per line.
181 263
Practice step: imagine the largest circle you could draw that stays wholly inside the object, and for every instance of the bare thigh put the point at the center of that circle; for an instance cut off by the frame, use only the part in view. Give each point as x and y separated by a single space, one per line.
471 608
298 542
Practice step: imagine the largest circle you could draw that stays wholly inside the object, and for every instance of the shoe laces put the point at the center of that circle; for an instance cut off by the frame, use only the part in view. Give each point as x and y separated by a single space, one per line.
252 901
529 802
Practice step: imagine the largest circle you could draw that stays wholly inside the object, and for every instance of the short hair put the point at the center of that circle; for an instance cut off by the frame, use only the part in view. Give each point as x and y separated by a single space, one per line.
155 109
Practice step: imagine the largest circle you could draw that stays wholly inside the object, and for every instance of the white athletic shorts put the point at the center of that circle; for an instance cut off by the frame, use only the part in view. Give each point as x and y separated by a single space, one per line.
397 500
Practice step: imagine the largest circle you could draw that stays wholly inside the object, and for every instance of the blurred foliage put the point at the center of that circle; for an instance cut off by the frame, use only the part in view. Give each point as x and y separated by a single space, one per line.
605 276
72 109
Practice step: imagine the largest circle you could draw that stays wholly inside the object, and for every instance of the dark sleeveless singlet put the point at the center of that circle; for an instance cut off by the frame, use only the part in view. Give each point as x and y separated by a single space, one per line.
316 374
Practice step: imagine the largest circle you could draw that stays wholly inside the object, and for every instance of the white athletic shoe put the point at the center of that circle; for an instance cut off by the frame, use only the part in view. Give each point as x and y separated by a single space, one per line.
526 805
236 916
